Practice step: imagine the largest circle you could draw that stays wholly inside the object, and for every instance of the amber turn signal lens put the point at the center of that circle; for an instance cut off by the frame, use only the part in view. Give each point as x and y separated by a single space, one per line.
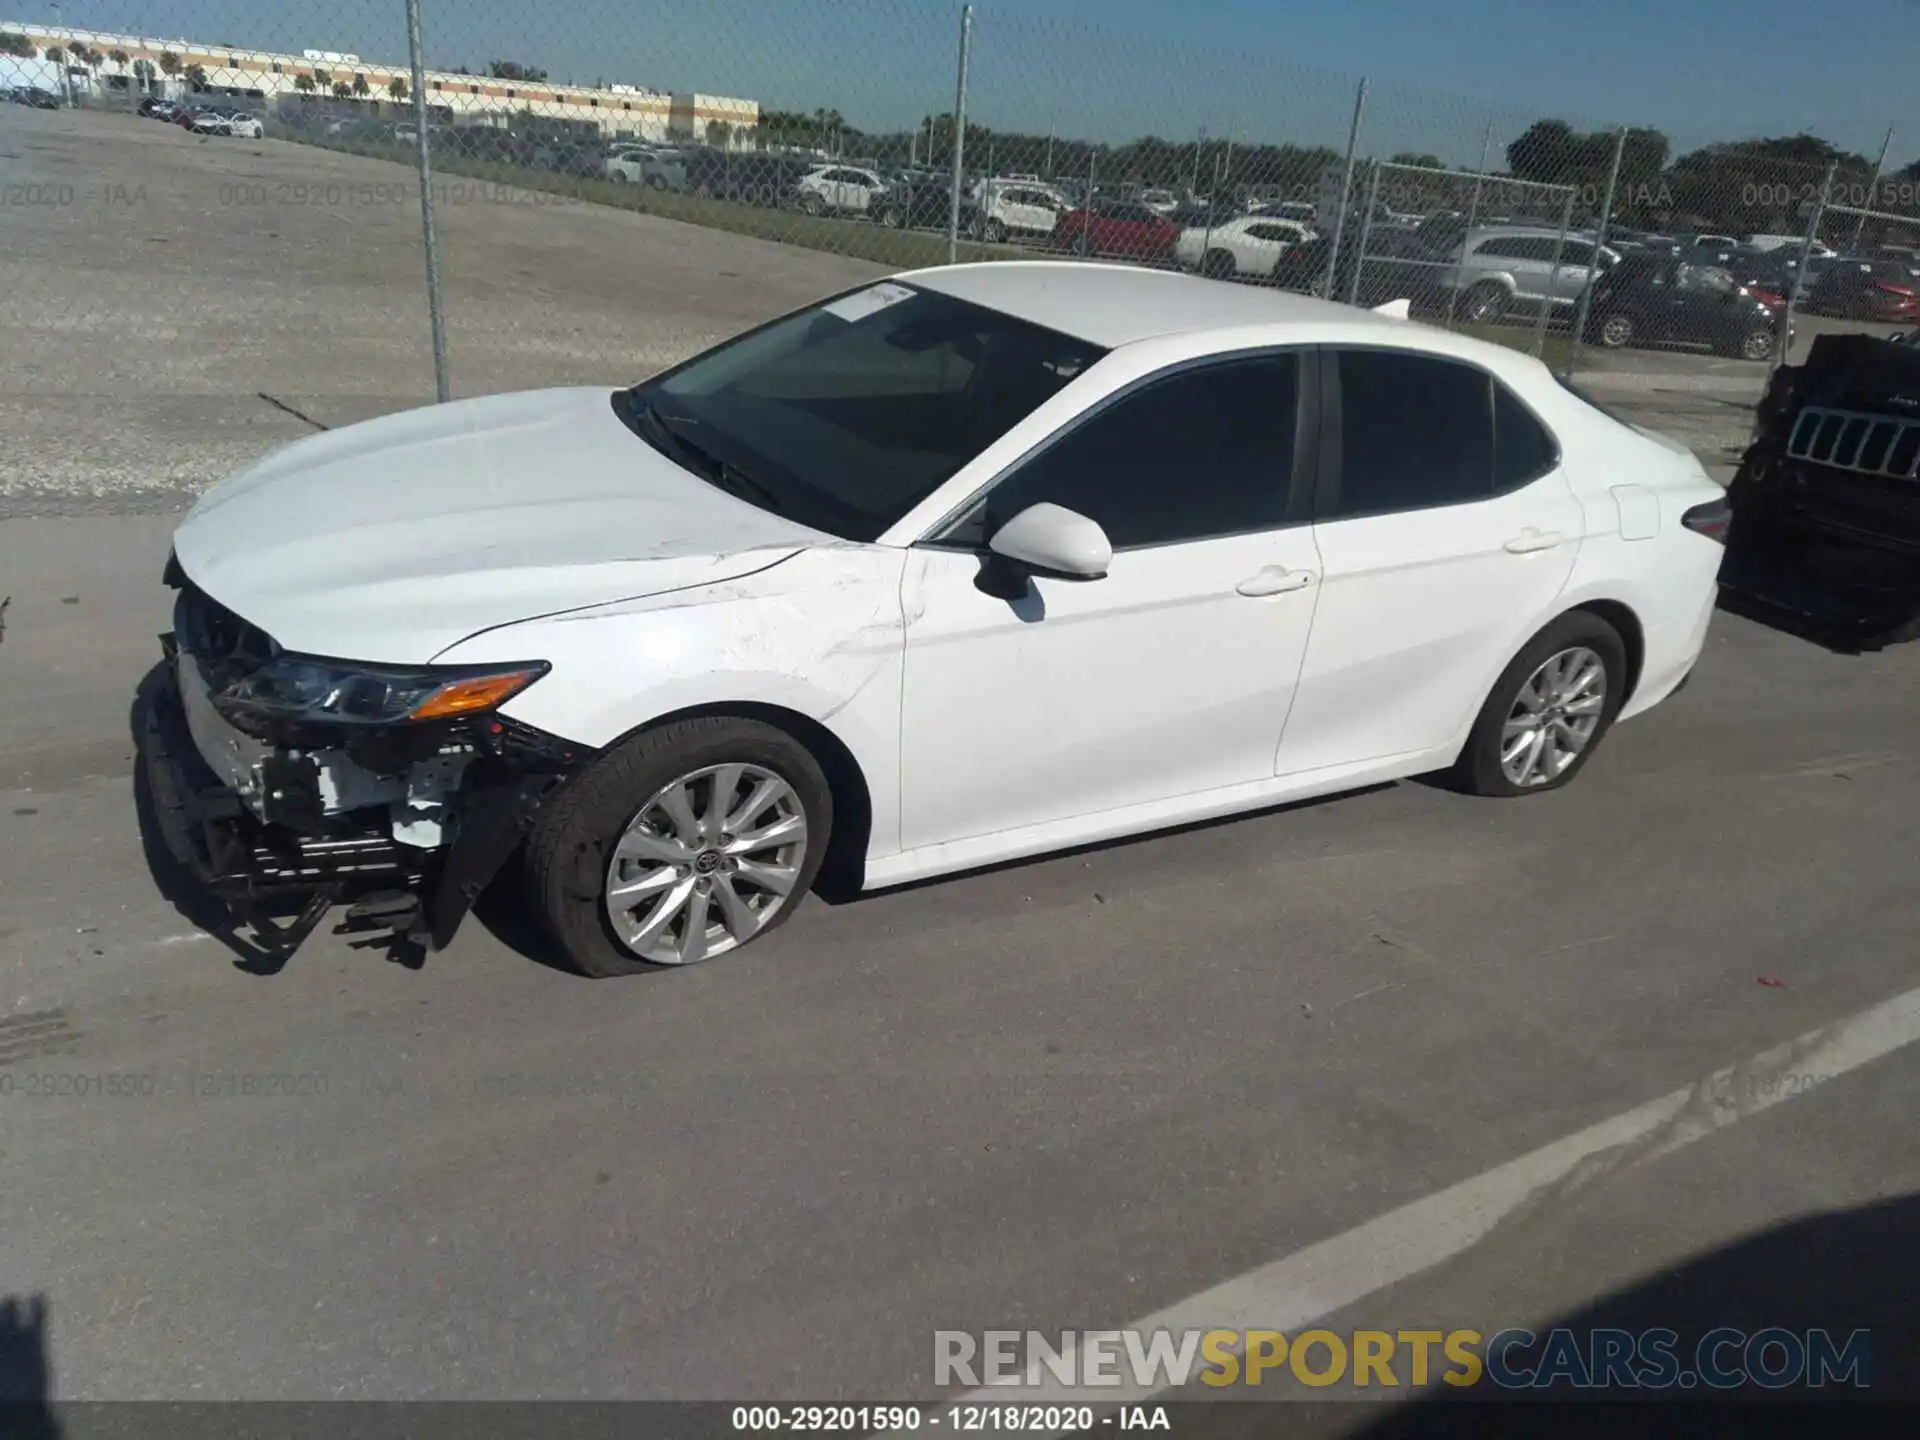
464 697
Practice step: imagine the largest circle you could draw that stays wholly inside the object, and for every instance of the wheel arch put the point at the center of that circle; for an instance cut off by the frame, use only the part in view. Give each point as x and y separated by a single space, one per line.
1626 623
844 872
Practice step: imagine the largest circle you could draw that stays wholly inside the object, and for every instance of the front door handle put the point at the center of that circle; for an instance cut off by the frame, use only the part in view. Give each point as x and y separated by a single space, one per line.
1275 580
1530 540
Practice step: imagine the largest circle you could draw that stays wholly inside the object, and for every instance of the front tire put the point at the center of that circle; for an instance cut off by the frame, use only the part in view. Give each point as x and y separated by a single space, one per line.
813 204
1218 265
681 844
1617 332
1548 712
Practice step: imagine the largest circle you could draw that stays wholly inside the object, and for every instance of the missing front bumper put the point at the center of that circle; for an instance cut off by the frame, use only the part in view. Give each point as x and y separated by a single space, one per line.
264 871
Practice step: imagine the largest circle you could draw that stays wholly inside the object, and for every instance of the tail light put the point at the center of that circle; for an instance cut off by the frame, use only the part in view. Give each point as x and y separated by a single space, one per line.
1891 289
1769 298
1710 519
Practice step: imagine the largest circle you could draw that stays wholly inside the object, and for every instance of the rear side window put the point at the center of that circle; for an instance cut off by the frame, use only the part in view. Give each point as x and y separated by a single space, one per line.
1415 432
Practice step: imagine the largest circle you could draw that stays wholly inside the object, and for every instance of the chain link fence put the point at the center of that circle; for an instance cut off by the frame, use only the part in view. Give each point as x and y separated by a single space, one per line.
480 197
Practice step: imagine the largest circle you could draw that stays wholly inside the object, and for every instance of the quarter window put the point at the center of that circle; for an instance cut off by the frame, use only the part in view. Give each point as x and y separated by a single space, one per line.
1201 453
1523 450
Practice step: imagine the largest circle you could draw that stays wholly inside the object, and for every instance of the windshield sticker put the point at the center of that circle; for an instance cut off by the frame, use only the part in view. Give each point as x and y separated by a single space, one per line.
870 301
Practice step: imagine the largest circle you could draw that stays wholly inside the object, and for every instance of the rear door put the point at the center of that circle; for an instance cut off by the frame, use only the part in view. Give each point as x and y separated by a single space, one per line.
1446 531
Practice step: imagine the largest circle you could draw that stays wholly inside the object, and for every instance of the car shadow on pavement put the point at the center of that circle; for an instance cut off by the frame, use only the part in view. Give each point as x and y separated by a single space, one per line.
26 1370
1840 1272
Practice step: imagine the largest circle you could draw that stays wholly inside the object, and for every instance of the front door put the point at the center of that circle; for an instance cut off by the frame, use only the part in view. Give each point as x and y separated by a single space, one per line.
1171 675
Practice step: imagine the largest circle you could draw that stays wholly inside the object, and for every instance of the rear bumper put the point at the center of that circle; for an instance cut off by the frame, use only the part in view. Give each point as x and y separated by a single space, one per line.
259 869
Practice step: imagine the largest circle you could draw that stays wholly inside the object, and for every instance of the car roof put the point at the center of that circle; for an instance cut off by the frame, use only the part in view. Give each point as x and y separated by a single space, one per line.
1114 305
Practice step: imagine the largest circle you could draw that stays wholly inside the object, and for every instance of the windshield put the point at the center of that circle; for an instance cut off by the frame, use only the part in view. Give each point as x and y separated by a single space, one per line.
846 415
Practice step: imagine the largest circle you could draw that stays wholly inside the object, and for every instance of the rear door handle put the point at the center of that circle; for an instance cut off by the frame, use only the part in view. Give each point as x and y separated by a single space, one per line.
1275 580
1528 541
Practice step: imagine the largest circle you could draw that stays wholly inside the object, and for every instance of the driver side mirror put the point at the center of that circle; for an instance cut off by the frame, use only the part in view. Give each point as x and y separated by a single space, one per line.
1056 542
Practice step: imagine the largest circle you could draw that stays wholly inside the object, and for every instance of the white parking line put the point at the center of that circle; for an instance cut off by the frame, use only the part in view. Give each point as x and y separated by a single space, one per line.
1311 1284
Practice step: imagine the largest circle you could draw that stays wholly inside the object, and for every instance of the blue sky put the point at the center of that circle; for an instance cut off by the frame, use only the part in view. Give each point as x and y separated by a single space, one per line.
1441 71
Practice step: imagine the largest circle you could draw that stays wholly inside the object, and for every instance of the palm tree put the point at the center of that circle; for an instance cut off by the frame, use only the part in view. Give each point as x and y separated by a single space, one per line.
360 86
55 55
143 72
397 87
323 78
11 44
169 62
196 77
303 83
343 91
119 57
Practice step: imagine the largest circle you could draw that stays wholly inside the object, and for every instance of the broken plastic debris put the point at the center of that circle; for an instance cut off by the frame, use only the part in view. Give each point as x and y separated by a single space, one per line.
1772 984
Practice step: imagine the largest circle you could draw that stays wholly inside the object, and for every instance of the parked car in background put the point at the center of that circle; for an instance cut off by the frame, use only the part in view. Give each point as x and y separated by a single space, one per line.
1651 299
1248 245
154 108
1163 202
1520 268
1704 240
923 200
221 121
1005 209
1795 243
36 98
655 167
1303 211
1399 265
1865 288
839 190
1128 229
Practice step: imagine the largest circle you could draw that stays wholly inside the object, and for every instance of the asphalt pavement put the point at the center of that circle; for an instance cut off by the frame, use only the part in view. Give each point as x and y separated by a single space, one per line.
1065 1094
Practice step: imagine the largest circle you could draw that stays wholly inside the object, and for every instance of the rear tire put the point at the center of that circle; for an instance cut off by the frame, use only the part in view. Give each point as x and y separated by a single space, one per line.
1484 304
572 853
1527 700
813 204
1757 344
1218 265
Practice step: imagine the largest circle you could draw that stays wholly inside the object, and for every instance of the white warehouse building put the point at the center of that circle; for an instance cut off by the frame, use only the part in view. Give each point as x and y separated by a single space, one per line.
101 63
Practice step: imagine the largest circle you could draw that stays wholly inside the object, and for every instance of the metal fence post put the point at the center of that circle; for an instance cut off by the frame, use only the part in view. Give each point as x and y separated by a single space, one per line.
1581 310
1800 271
1873 191
1086 206
1546 301
1346 192
959 134
1366 229
423 165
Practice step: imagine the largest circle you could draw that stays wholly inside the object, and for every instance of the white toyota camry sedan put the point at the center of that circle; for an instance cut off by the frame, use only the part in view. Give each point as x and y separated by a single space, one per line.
970 564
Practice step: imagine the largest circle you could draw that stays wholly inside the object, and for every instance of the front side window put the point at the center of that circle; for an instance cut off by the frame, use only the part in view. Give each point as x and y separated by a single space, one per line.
846 415
1201 453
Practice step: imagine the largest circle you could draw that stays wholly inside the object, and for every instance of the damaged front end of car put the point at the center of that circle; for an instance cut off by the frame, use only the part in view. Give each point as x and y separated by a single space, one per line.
287 784
1825 538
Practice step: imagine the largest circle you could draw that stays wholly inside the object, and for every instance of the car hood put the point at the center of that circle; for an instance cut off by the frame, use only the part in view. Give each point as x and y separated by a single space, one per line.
394 539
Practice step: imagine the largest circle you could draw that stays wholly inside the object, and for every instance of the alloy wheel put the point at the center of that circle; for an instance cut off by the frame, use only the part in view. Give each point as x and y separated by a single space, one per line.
706 864
1758 345
1616 332
1553 717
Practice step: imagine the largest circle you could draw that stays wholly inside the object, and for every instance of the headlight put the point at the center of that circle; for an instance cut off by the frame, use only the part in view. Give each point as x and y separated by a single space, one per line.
292 687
